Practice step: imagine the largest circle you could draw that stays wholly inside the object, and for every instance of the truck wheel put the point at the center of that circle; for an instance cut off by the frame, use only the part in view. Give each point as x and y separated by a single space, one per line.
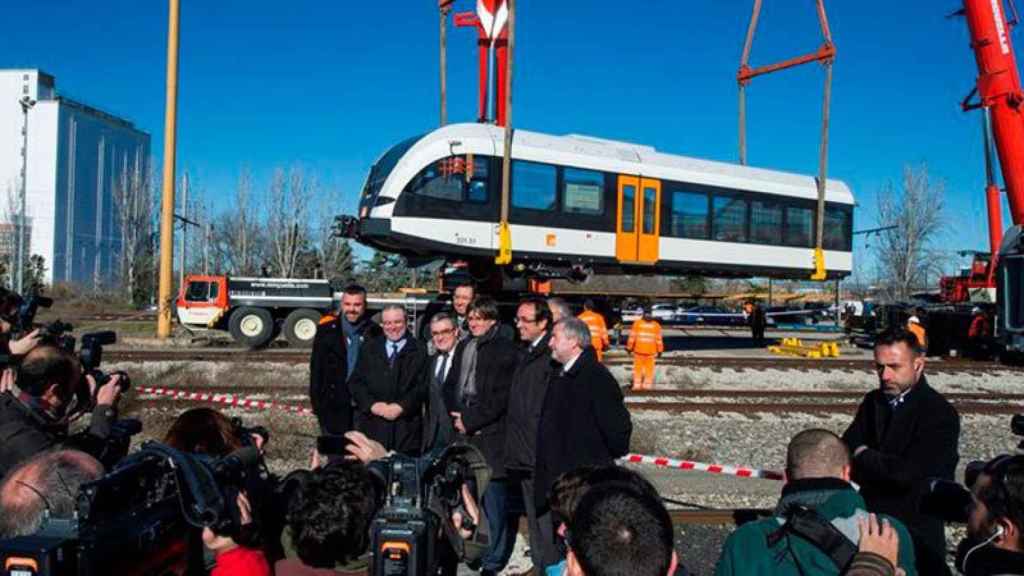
300 327
252 327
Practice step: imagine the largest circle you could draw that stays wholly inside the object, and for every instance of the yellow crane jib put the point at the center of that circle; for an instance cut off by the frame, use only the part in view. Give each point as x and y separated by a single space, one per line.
819 265
504 245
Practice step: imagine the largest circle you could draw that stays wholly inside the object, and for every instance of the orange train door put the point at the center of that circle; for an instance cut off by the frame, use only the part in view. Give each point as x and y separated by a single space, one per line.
637 227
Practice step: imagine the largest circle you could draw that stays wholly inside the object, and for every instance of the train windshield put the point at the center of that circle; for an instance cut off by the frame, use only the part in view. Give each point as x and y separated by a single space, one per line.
382 169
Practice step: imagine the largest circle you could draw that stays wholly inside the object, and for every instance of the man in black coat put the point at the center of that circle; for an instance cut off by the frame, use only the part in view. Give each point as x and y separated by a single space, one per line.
442 374
529 385
48 393
584 418
481 396
387 386
336 345
904 434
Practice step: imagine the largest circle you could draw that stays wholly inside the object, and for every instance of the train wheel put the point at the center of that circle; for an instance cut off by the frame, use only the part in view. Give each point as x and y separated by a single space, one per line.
252 327
300 327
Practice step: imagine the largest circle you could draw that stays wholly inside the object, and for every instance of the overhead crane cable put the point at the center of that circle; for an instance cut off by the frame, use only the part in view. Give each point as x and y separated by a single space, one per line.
826 56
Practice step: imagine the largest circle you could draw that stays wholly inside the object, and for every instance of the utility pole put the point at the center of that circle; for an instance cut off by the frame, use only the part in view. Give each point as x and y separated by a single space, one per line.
19 260
167 207
445 6
504 256
184 228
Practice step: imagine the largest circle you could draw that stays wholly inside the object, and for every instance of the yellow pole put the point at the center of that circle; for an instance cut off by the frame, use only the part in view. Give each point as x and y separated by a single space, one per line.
167 211
504 231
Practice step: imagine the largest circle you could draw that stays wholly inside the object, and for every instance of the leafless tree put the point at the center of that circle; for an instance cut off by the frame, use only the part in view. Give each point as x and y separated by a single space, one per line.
287 209
906 254
237 235
334 254
134 198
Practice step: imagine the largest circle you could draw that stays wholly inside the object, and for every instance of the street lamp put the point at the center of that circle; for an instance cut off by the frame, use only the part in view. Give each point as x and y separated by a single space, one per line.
26 105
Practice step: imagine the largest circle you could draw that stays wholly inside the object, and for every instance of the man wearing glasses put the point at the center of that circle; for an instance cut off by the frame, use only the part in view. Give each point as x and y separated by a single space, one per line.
529 385
44 487
441 379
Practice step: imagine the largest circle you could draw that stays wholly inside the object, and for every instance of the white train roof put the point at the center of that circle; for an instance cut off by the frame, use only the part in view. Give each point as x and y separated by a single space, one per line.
624 158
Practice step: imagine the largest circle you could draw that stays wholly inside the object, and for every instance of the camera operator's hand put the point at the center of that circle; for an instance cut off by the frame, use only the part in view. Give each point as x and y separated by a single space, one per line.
23 345
109 393
244 508
457 422
471 509
378 409
7 380
363 449
879 538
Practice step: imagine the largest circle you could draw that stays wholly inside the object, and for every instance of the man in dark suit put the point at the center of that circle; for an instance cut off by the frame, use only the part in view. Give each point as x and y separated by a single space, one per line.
441 375
584 418
335 351
529 386
387 386
481 398
904 434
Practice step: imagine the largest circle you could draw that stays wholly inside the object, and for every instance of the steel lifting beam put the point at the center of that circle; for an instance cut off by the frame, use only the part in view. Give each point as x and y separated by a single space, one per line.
826 55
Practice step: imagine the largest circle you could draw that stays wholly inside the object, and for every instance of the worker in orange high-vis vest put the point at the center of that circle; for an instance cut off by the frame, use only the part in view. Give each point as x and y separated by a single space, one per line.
645 343
598 330
914 325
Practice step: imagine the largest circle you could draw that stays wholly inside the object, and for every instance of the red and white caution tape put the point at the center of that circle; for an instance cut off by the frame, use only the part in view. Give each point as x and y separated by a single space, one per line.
225 399
702 467
230 400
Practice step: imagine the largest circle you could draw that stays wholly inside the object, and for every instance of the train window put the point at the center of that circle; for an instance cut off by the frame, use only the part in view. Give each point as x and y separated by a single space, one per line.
729 219
583 191
799 225
650 203
765 222
477 190
446 179
443 180
628 207
837 228
689 215
534 185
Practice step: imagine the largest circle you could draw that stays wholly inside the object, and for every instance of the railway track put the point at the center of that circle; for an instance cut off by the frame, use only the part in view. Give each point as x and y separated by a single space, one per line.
716 517
715 363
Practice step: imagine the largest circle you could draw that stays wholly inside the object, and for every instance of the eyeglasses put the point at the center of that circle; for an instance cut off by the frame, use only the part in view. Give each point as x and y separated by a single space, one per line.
521 320
442 332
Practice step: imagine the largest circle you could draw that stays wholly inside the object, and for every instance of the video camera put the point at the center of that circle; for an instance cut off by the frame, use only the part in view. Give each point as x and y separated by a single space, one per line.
135 520
951 501
419 501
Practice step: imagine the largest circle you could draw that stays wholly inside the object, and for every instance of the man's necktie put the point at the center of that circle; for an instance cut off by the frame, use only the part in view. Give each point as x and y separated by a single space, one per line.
392 348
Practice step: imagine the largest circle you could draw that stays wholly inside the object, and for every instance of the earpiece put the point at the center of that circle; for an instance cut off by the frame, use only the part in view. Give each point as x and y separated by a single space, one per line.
999 532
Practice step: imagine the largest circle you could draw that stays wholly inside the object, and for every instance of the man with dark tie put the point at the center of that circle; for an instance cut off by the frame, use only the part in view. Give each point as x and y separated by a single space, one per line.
441 379
904 434
387 386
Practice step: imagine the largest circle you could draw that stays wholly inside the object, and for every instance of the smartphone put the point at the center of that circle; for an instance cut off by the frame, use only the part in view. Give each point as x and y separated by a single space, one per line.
332 445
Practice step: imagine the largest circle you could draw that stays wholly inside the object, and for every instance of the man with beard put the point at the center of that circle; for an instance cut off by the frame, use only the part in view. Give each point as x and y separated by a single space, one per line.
904 434
335 351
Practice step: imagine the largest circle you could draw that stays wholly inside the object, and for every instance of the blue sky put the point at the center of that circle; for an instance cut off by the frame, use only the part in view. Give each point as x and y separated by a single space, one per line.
330 85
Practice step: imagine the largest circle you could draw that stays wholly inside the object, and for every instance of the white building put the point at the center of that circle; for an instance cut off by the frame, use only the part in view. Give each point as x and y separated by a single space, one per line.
76 156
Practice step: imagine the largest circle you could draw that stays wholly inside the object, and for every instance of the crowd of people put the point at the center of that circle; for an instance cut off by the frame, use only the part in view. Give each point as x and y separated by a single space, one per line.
549 421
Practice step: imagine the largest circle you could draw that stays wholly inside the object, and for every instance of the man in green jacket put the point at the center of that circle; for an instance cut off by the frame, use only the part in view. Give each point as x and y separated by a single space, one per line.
817 482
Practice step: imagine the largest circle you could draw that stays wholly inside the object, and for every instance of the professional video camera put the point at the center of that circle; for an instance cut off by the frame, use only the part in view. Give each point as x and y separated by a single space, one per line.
419 501
135 520
951 501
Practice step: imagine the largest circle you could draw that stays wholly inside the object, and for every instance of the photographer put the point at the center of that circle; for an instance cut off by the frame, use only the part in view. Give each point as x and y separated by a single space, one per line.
995 523
44 488
47 394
